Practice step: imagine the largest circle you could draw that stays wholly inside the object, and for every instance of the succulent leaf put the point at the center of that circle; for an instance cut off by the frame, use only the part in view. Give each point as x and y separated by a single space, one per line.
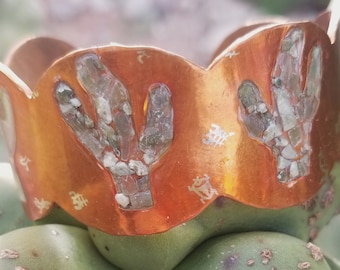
255 250
12 214
328 239
50 247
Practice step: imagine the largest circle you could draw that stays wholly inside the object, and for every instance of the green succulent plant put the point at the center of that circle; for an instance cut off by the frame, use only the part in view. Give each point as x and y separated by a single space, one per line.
50 247
166 250
285 6
224 217
328 239
255 250
226 235
12 215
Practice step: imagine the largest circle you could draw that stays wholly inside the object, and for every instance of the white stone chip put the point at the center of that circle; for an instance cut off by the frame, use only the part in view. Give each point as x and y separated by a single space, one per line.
294 170
121 169
75 102
281 141
271 132
285 109
149 157
138 167
66 108
262 108
109 160
122 200
104 110
88 122
288 152
127 108
282 163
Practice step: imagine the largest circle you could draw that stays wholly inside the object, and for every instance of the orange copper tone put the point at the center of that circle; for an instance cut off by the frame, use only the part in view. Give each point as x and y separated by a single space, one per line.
216 148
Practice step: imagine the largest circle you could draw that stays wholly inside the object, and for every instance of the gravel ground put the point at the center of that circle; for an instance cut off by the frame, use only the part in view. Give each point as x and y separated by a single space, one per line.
192 29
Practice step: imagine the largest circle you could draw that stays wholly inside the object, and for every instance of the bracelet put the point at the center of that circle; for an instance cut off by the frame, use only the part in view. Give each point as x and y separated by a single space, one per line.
120 136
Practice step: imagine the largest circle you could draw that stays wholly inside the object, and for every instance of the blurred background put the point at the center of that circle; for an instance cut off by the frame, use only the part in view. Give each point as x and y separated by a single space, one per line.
192 29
